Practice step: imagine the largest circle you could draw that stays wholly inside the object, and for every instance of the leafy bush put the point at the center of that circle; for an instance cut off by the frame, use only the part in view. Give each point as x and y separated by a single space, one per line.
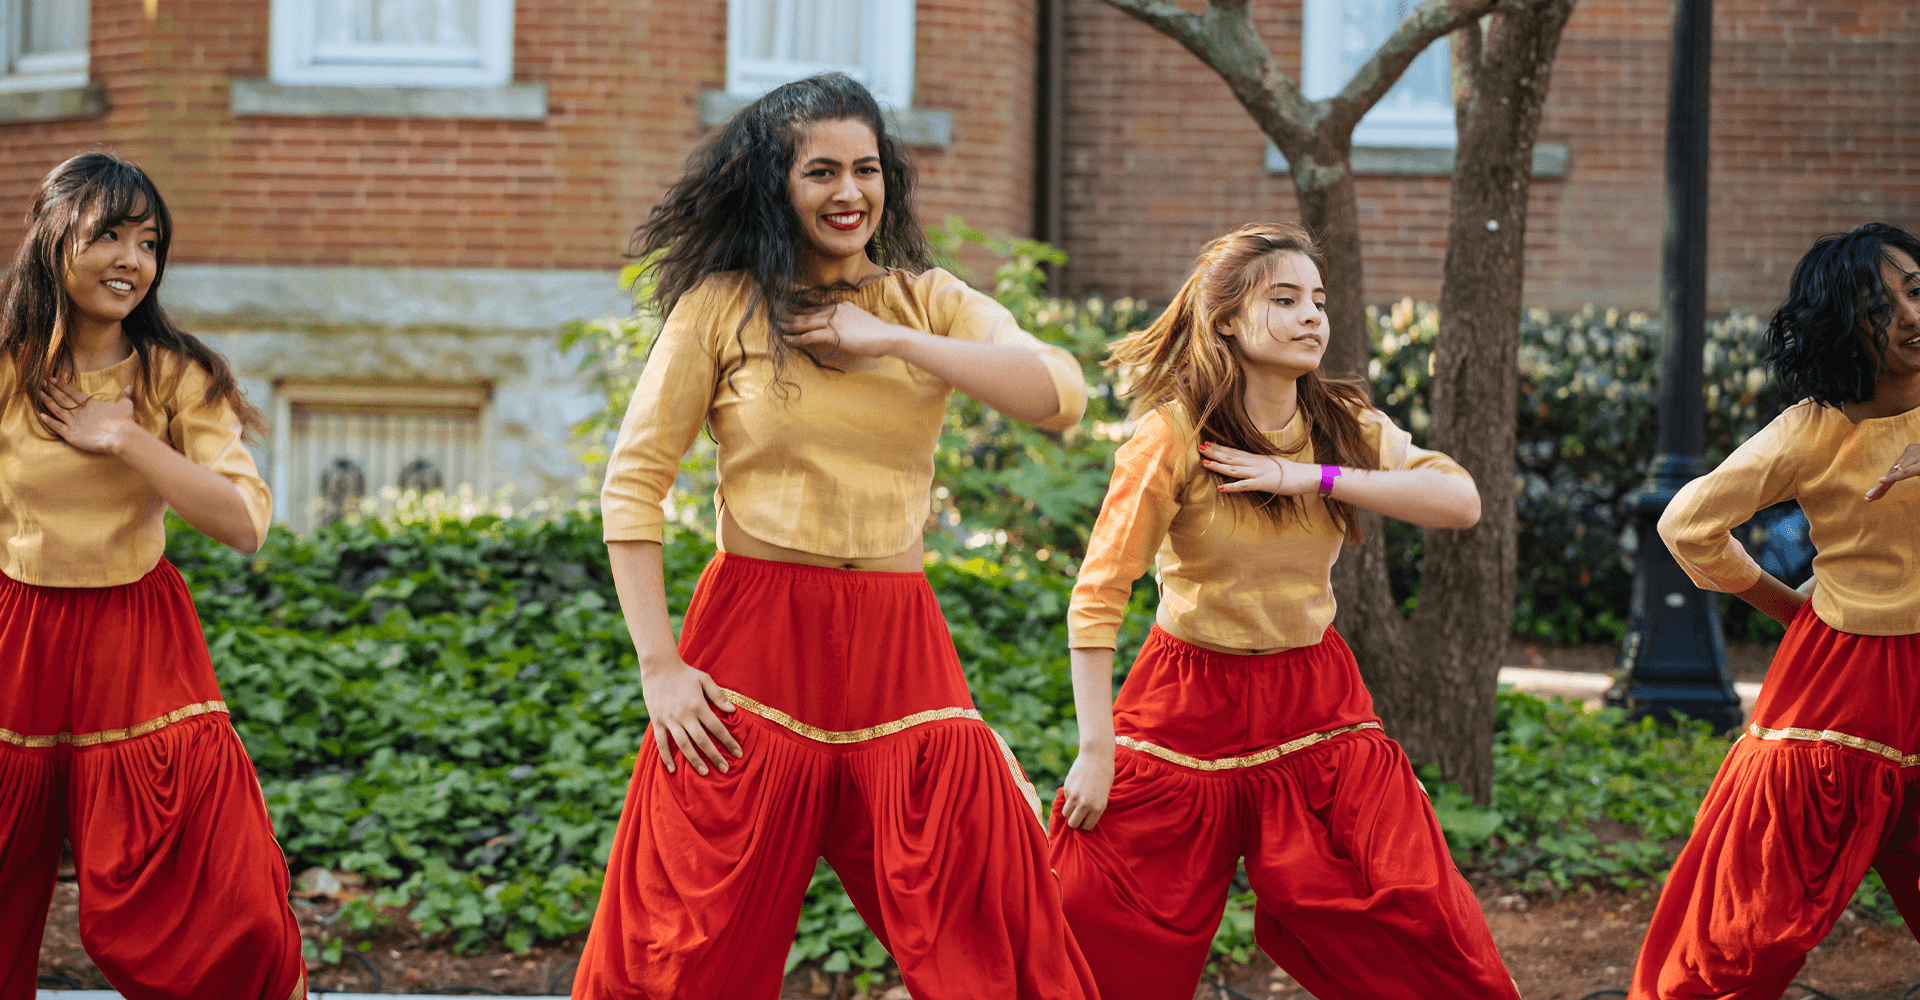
1586 432
1582 796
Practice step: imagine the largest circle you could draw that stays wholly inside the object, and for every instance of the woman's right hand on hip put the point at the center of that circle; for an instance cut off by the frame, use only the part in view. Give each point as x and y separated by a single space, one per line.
1085 791
680 701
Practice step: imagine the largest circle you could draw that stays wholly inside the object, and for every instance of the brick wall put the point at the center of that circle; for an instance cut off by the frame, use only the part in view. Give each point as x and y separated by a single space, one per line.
623 81
1816 127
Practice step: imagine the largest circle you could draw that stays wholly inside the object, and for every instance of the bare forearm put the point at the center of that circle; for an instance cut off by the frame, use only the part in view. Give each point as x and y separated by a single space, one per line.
640 580
204 498
1774 599
1008 378
1426 497
1093 697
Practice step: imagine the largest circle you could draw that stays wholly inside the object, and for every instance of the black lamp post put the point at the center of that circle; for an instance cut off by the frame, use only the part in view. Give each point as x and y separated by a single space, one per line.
1674 656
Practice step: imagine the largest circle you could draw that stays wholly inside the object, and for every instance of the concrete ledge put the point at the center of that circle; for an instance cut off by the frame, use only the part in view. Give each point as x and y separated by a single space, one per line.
912 126
513 102
86 101
470 298
1549 160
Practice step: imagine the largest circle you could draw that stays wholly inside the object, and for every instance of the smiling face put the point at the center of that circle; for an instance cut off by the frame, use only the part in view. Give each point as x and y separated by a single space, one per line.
110 275
837 192
1901 275
1283 326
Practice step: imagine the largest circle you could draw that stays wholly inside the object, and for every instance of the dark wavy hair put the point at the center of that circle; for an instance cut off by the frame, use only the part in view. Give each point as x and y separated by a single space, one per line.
77 202
732 211
1828 341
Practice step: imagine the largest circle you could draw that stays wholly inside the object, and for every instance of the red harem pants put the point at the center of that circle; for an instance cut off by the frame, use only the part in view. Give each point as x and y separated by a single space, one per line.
860 744
1824 785
1278 759
113 737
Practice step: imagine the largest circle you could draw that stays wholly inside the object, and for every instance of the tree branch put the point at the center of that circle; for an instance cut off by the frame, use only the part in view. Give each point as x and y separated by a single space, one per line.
1225 39
1430 21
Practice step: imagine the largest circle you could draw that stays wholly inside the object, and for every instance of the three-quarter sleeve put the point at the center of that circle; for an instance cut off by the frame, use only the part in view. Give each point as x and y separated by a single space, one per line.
1698 524
1398 452
958 310
669 406
1142 499
211 435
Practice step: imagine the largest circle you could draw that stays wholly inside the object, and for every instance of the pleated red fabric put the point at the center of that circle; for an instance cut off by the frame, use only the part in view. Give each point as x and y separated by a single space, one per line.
1279 760
1824 785
860 744
113 736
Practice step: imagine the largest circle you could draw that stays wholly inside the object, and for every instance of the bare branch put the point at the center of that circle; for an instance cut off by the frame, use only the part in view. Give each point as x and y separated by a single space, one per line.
1225 39
1428 22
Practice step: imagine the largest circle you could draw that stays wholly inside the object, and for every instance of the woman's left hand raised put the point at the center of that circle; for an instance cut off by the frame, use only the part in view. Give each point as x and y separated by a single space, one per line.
845 326
1906 466
85 422
1269 473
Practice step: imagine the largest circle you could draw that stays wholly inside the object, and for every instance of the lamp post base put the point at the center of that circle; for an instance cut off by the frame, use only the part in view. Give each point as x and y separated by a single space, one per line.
1674 656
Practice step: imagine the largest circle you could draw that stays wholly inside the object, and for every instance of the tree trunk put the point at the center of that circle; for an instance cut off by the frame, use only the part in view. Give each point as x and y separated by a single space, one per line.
1329 208
1434 680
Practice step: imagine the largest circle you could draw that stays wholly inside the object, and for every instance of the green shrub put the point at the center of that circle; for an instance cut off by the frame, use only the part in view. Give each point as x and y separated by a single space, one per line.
1586 431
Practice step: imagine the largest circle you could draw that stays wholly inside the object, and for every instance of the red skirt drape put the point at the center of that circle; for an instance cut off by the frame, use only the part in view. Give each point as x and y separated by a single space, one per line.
861 745
1279 760
113 736
1824 785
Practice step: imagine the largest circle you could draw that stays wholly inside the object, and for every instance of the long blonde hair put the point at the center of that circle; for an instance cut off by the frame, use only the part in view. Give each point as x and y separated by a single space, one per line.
1185 357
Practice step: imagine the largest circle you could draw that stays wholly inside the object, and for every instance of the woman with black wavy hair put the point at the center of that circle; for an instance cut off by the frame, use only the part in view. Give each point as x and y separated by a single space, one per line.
113 733
1826 781
815 706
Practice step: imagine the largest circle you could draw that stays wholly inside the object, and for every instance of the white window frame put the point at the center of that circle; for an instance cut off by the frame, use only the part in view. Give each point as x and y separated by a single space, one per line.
376 399
297 57
1321 75
886 44
47 71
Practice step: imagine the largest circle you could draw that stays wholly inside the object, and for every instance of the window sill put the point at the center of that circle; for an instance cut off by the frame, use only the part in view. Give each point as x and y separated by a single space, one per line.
1549 160
88 100
513 102
912 126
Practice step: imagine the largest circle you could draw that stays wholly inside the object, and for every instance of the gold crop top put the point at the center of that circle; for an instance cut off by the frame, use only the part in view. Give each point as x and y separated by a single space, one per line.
1229 577
840 464
1812 453
71 519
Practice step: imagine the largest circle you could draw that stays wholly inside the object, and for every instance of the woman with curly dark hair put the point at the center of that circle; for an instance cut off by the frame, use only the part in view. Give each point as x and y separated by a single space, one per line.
113 733
1826 781
815 706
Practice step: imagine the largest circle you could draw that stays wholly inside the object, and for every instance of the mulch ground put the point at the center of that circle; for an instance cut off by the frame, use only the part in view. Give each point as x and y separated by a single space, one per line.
1575 947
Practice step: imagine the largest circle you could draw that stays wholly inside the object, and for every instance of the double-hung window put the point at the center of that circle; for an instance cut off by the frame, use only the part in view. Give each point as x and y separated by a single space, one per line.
395 43
1340 35
44 45
771 42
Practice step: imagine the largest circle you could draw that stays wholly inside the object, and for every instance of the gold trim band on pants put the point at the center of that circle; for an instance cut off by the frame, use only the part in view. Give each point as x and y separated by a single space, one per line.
1249 760
839 736
113 735
845 736
1761 732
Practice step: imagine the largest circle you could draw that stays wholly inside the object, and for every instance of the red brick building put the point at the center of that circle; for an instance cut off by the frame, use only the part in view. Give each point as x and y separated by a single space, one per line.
385 209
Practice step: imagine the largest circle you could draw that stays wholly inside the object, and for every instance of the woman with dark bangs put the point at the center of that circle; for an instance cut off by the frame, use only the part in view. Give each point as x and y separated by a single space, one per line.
1826 781
113 734
815 705
1243 729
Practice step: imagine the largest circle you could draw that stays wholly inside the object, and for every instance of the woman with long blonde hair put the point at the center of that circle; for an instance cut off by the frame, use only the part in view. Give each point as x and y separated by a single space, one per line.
1243 729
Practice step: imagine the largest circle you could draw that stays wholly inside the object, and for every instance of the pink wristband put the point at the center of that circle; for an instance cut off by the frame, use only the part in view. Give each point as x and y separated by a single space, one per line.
1328 473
